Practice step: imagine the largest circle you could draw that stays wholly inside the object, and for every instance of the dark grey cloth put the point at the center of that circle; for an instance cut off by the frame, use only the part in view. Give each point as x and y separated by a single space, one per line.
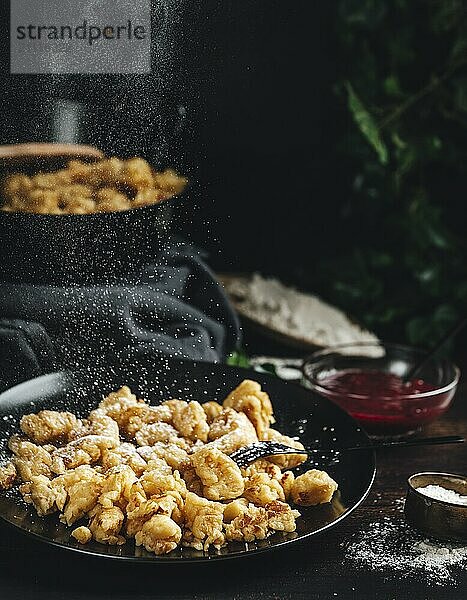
173 308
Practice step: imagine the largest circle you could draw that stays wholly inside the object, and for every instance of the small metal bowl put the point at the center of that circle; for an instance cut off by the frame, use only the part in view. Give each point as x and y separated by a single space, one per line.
437 518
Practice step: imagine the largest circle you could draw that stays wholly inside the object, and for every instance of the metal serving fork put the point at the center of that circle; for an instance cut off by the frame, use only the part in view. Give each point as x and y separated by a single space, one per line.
248 454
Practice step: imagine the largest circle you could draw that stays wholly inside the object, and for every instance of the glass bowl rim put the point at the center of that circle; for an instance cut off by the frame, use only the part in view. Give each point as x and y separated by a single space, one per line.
328 350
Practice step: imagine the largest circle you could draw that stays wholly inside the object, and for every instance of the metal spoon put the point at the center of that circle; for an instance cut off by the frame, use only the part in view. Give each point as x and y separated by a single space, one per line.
411 373
248 454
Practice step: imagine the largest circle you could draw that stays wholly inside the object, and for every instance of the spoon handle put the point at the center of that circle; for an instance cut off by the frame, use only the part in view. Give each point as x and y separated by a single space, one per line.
448 336
431 441
22 153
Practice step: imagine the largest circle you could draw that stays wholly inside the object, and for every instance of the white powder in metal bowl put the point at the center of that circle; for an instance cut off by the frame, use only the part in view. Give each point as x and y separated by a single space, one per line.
438 492
394 548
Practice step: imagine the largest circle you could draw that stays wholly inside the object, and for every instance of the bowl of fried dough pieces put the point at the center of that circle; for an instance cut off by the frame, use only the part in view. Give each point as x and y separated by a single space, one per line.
86 217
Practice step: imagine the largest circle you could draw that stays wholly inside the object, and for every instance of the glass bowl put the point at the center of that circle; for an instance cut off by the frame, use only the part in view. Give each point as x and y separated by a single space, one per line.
384 412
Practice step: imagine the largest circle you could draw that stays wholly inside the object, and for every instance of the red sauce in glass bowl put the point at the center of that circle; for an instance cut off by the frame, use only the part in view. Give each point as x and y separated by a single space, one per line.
382 402
375 384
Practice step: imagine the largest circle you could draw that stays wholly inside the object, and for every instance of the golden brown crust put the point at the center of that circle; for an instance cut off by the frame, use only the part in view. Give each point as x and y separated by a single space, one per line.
105 525
7 475
313 487
82 534
285 461
231 430
29 459
212 410
219 474
261 489
160 534
48 426
203 523
106 185
257 522
249 398
161 474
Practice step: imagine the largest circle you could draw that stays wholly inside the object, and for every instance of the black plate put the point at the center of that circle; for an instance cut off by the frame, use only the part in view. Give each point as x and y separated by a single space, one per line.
297 410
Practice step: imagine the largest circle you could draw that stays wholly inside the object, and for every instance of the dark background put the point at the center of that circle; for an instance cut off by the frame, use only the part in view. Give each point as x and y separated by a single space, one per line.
251 101
255 81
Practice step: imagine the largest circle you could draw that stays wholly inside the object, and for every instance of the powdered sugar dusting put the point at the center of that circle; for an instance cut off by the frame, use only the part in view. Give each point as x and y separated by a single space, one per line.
395 548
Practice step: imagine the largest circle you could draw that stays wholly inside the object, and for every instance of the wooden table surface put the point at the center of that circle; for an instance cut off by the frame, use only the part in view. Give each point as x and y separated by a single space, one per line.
313 569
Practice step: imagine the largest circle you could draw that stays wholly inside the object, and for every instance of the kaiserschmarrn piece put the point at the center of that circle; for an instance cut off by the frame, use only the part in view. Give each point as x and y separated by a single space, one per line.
231 430
285 461
203 523
251 400
219 474
190 420
313 487
256 522
45 496
160 476
101 424
152 433
175 456
117 486
81 487
134 416
105 524
48 426
86 450
102 186
124 454
261 489
159 480
7 475
119 405
212 410
160 534
29 459
82 534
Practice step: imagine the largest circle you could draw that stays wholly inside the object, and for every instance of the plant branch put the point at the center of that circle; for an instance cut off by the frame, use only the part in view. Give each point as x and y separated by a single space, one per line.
424 91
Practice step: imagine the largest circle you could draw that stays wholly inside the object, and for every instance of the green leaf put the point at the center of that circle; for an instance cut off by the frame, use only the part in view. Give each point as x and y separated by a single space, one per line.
425 331
418 330
366 124
437 237
444 317
398 141
238 359
381 259
266 368
392 87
